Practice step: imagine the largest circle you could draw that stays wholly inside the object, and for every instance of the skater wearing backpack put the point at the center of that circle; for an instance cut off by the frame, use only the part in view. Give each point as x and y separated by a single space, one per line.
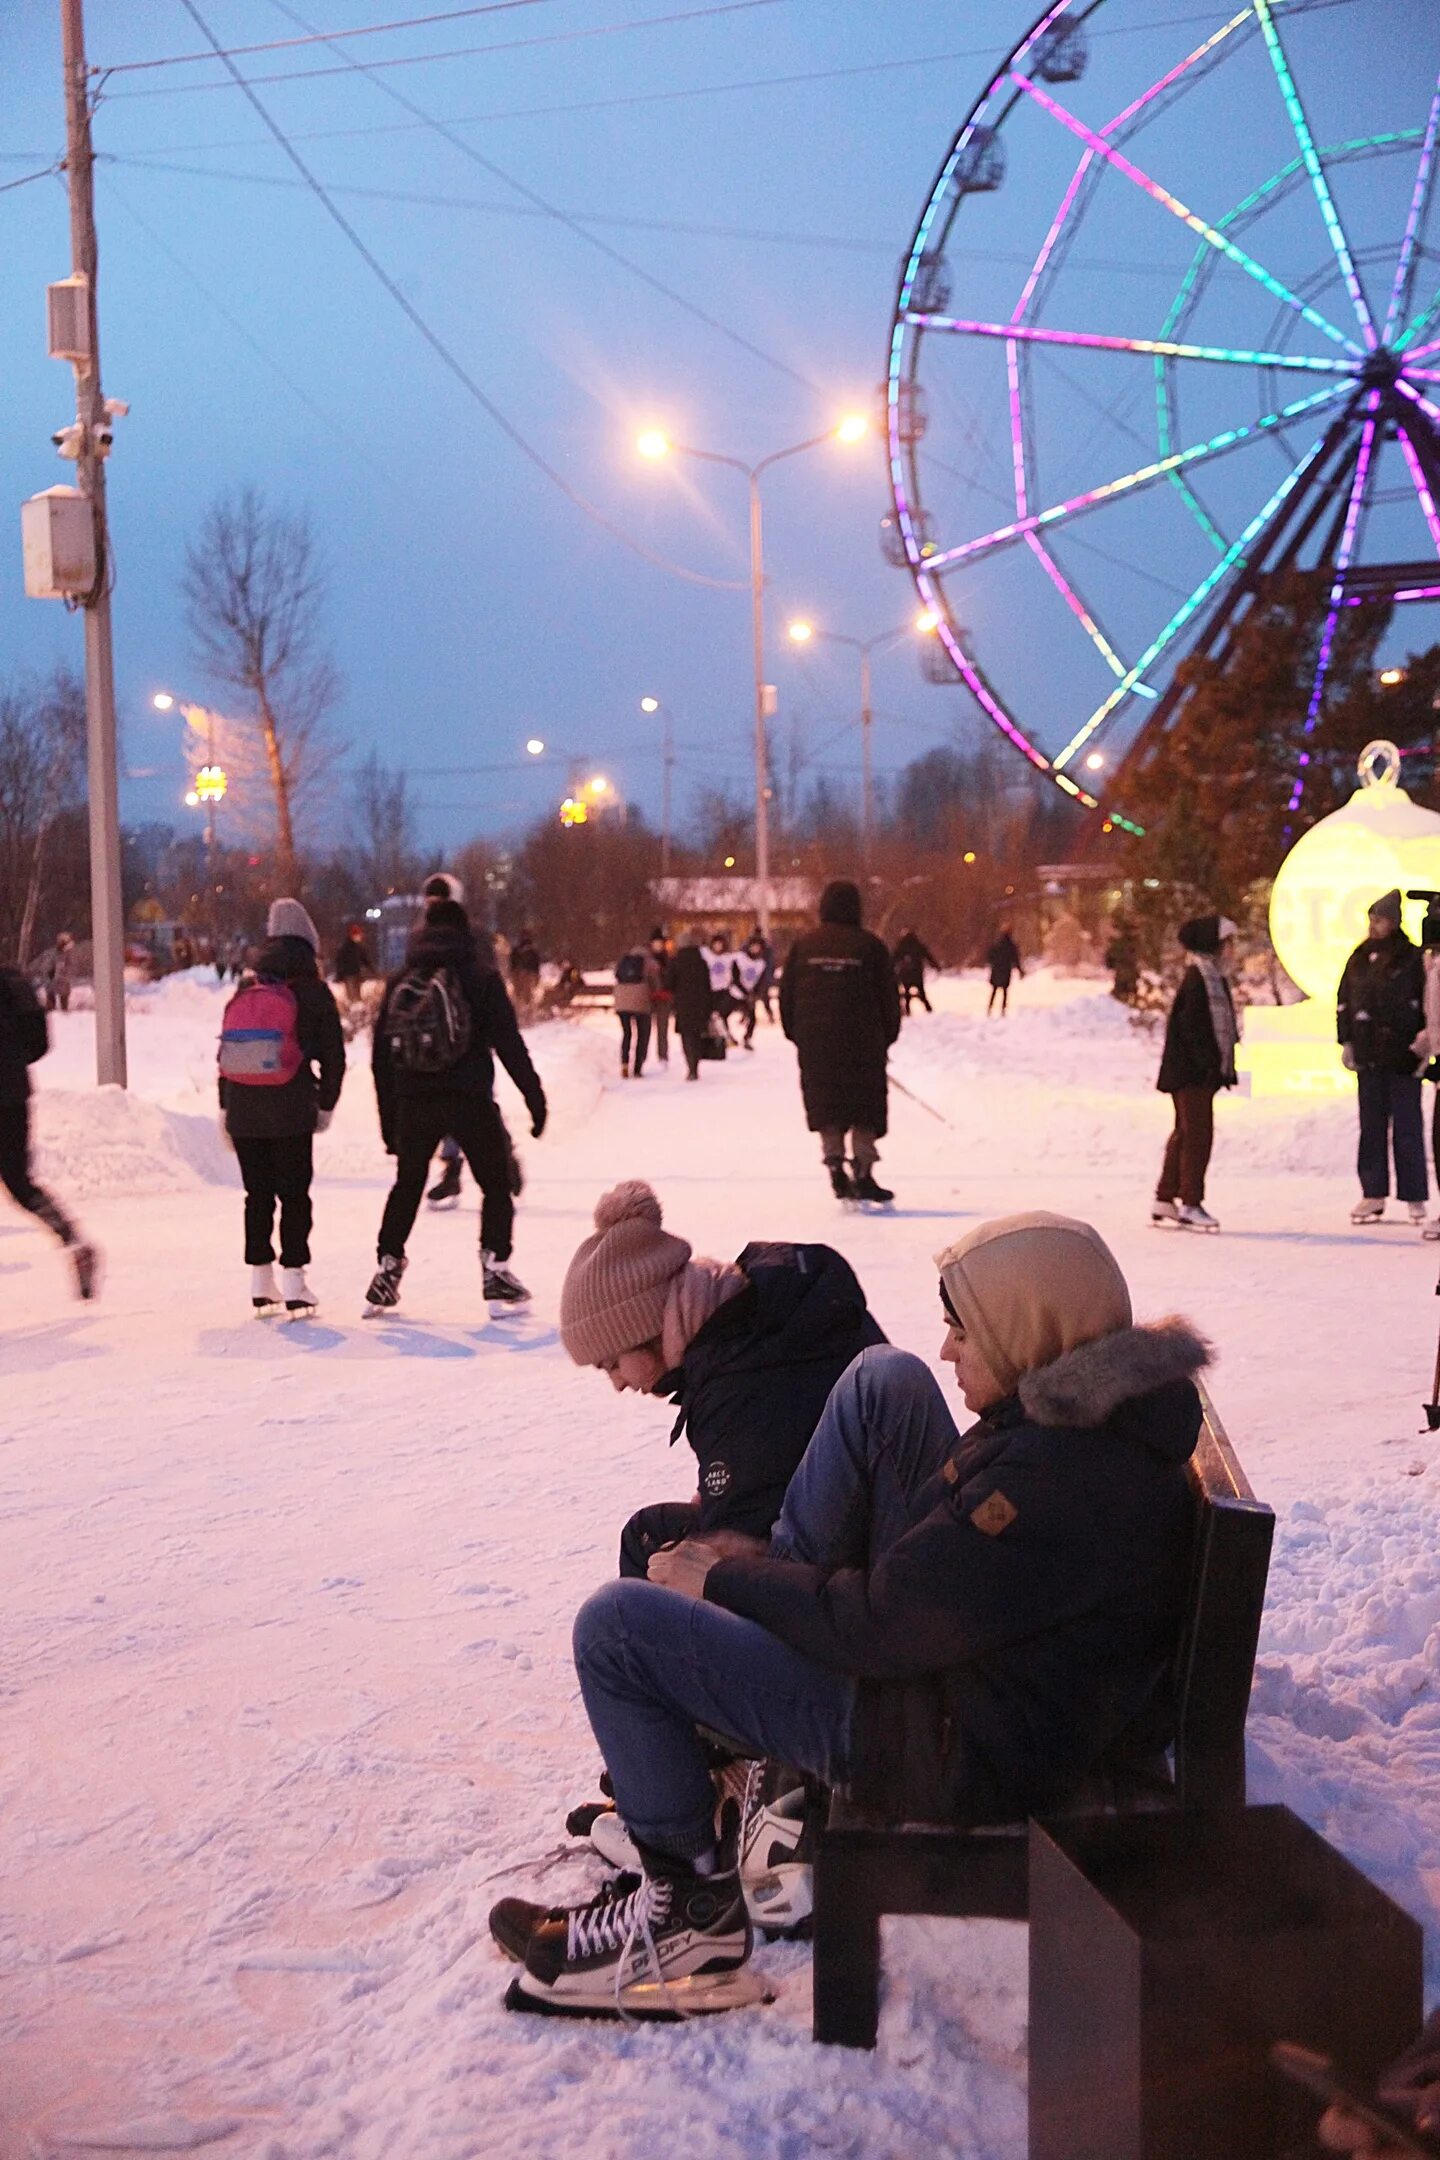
444 1019
637 978
282 1066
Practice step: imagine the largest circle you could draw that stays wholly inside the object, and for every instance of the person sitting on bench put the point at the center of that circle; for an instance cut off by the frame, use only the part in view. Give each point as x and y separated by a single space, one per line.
953 1629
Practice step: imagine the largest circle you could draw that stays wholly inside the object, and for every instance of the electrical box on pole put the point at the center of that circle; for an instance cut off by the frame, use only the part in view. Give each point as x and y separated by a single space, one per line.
68 316
57 531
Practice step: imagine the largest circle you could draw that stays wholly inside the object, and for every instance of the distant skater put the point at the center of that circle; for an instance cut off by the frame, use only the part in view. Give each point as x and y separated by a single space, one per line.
24 1039
1003 961
840 1006
911 957
1379 1015
1198 1060
688 978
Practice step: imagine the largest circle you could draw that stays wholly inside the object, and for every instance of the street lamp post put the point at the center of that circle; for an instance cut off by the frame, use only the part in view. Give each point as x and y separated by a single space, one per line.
801 633
667 761
654 444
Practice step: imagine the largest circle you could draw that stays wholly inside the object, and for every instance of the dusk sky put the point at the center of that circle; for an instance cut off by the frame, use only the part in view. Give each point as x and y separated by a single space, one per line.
767 163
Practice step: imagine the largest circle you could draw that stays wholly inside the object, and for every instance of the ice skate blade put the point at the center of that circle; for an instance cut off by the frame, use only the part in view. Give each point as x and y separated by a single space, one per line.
443 1207
1199 1229
512 1309
378 1312
656 2002
266 1308
301 1312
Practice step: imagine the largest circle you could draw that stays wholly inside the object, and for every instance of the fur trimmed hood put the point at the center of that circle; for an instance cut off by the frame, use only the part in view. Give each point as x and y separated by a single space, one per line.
1084 1387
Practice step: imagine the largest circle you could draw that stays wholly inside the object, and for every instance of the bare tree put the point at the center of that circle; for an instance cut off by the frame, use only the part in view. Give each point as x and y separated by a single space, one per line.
42 768
385 822
255 589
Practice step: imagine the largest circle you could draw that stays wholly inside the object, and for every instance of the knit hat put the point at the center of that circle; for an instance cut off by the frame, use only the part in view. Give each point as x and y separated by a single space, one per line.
444 885
288 919
840 903
1388 906
1205 933
616 1287
1030 1287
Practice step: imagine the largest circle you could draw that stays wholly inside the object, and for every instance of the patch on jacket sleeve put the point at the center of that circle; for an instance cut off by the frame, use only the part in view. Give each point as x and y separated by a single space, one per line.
994 1515
716 1478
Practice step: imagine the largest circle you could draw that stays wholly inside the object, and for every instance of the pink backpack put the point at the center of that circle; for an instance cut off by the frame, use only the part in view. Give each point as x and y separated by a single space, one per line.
259 1035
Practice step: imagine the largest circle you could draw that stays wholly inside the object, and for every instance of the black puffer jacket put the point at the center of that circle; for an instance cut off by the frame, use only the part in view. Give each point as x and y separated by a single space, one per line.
494 1030
840 1006
24 1036
1380 1008
688 980
1031 1618
280 1113
754 1381
1191 1057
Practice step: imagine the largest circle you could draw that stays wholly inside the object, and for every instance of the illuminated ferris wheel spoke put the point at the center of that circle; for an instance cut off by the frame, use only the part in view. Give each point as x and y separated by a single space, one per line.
1427 405
1422 488
1419 204
1233 554
1316 170
1417 327
1178 209
1146 476
1344 555
1101 341
1077 606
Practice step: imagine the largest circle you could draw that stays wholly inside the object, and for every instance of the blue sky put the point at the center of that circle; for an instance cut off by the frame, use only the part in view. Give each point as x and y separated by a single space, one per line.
768 163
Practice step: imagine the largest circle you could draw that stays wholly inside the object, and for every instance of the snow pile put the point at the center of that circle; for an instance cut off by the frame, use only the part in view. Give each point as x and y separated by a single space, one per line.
110 1142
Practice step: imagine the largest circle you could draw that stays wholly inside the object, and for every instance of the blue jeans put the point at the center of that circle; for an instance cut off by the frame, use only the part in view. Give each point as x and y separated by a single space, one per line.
654 1665
1390 1117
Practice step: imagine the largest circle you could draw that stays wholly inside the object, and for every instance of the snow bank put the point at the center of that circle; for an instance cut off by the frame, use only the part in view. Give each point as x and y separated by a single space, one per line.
111 1142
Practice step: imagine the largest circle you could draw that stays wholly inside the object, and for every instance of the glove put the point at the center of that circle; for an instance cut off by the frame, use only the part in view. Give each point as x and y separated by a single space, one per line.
1347 1056
539 1112
322 1120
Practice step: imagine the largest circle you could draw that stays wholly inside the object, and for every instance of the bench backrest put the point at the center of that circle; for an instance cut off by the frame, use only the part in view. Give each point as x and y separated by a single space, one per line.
1216 1659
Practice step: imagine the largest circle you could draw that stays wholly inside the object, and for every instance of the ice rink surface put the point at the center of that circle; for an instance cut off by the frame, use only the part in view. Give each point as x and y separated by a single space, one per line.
285 1610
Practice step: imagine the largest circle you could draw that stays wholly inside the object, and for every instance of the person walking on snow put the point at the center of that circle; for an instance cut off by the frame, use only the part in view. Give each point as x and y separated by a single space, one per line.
353 967
24 1040
662 998
688 977
282 1066
840 1006
1379 1012
1427 1043
911 957
721 963
60 975
637 978
444 1020
1198 1060
751 967
1003 961
524 972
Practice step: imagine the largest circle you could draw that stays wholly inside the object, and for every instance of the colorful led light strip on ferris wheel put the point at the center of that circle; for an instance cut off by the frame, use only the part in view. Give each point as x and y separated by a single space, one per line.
1101 341
1196 599
1411 592
1422 488
1143 477
1404 266
1417 328
1343 555
1316 171
1427 406
1178 209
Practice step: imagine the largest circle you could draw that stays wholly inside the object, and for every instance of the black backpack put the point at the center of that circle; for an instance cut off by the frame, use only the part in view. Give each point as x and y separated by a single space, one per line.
630 968
427 1022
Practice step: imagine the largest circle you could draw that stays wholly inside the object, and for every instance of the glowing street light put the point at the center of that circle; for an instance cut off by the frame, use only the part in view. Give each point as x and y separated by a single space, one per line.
192 800
649 704
801 633
599 785
652 444
535 747
162 701
1390 676
853 428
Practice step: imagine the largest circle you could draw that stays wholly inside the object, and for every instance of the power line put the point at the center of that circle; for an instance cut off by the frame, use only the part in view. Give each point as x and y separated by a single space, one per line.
465 52
26 178
603 247
437 344
239 52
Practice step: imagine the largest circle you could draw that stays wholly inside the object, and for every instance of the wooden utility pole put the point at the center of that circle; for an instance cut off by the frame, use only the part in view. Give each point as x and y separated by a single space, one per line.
106 906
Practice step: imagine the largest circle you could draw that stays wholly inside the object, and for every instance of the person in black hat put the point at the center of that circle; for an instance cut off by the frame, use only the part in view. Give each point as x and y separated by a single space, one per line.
1379 1017
840 1006
1198 1060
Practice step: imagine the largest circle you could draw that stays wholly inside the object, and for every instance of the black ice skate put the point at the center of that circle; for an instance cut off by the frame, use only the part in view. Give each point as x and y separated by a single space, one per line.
840 1180
675 1946
503 1288
867 1189
445 1192
85 1260
514 1921
383 1294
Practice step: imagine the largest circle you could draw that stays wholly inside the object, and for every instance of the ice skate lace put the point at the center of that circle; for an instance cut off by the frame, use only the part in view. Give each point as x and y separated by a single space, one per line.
750 1800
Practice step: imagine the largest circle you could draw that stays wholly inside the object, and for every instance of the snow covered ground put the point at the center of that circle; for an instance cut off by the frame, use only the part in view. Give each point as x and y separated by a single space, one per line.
284 1614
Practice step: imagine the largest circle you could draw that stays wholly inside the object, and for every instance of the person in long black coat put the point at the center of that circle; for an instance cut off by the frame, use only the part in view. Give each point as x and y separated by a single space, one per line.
687 978
24 1040
1379 1013
1003 961
840 1006
1198 1060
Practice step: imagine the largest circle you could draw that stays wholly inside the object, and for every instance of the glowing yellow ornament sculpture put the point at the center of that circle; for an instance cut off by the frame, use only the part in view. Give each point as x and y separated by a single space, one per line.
1318 909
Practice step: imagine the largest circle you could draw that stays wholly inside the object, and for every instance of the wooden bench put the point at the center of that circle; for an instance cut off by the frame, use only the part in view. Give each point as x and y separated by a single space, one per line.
865 1867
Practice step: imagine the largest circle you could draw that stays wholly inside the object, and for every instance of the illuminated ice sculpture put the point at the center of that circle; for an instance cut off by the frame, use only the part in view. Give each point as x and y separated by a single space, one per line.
1378 840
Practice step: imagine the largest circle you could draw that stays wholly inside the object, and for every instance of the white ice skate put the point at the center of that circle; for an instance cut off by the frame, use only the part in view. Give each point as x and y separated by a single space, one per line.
1163 1212
300 1300
1367 1211
1196 1218
265 1298
1416 1212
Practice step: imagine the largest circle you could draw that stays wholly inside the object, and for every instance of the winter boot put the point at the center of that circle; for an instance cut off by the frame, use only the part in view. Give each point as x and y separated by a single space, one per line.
867 1189
383 1294
1432 1230
85 1260
445 1192
300 1300
840 1183
502 1287
264 1292
1366 1211
1164 1211
1197 1218
674 1946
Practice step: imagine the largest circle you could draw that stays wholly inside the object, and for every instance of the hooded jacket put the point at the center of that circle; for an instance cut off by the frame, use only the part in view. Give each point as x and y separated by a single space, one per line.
278 1113
840 1006
1380 1008
24 1036
1031 1618
494 1030
753 1382
688 979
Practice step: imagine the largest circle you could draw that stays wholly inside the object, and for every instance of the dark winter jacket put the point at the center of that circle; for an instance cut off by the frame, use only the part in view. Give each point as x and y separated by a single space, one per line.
688 980
1191 1058
1380 1008
753 1382
352 962
1030 1620
1003 961
24 1036
494 1030
840 1006
275 1113
911 957
525 958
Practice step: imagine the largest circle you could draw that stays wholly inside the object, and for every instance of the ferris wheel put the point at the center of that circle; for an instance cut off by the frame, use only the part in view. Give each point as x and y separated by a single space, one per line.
1169 327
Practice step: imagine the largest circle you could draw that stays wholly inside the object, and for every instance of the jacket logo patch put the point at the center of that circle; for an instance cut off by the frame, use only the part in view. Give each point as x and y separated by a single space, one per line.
716 1478
994 1515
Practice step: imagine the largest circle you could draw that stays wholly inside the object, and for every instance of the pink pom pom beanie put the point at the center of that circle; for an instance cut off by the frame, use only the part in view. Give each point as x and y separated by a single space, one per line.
619 1283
